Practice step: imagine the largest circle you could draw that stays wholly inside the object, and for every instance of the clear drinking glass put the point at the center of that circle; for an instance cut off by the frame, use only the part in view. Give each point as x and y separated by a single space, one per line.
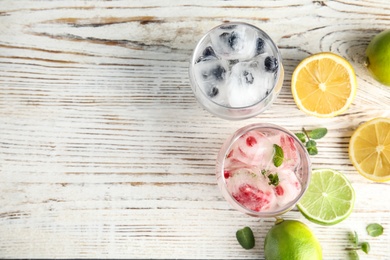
251 175
236 71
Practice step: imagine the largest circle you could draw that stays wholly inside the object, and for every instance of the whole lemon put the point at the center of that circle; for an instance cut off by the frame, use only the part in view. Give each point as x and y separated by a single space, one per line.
291 240
378 57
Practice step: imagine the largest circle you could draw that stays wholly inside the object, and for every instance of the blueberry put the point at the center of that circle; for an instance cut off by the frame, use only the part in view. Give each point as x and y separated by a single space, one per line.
233 39
208 52
230 38
271 64
213 92
219 72
259 46
248 77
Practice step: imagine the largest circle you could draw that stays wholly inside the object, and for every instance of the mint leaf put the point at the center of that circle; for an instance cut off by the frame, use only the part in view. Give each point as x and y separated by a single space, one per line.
355 238
317 133
353 255
311 147
301 137
273 179
374 230
278 155
245 238
365 246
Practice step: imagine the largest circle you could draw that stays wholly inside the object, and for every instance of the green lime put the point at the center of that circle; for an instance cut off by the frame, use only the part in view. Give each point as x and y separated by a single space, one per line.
329 198
291 240
378 57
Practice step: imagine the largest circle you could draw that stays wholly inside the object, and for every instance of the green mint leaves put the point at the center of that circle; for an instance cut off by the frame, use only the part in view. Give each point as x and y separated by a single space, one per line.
374 230
308 137
273 179
317 133
278 158
245 238
278 155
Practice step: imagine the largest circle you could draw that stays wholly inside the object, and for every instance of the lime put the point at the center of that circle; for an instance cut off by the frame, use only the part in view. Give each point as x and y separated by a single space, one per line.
291 240
378 57
329 198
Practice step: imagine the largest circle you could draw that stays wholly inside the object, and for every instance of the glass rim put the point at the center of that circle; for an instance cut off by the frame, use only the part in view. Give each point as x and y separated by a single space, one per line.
220 169
273 46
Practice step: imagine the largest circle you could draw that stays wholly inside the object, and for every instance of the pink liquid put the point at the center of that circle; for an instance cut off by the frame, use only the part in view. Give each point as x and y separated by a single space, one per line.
249 168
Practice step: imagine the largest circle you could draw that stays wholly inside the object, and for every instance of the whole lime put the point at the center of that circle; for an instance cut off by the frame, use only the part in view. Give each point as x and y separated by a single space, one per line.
378 57
291 240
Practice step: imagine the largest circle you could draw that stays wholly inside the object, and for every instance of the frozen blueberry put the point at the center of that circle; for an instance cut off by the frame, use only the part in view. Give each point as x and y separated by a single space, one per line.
213 92
230 38
271 64
259 46
219 72
248 77
208 52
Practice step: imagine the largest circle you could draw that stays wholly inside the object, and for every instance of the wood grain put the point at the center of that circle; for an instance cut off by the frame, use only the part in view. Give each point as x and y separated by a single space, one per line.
104 152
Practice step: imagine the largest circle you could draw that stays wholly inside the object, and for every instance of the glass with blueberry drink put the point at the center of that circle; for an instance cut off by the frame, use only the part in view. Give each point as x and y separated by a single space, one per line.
263 170
236 71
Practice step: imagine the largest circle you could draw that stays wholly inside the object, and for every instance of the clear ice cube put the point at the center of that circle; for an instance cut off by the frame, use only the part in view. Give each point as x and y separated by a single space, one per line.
248 83
234 42
211 75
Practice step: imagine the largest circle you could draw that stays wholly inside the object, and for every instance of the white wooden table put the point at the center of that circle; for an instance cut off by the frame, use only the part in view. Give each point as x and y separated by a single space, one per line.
105 153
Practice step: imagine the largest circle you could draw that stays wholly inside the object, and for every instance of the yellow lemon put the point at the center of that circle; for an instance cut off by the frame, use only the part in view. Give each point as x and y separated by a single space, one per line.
369 149
324 85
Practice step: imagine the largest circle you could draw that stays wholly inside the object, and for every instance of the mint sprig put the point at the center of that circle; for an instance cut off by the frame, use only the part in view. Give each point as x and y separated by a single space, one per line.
307 137
373 230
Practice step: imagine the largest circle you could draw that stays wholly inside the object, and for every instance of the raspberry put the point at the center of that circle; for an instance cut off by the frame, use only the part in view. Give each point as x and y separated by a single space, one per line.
251 141
279 190
252 198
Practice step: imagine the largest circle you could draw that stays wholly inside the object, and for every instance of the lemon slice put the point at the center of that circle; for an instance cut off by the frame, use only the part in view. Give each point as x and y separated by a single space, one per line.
324 85
369 149
329 198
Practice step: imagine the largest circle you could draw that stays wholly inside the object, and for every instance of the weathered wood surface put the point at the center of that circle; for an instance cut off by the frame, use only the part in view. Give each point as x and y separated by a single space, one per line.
104 151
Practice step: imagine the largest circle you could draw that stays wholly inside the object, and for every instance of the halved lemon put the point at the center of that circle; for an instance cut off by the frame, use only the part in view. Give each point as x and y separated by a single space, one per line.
324 85
369 149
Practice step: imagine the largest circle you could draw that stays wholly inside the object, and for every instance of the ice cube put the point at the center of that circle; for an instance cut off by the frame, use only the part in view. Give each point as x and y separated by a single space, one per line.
288 188
248 83
234 42
211 74
251 190
251 149
291 155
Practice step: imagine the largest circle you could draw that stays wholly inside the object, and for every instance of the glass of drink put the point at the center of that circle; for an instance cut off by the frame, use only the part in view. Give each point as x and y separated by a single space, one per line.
263 170
236 71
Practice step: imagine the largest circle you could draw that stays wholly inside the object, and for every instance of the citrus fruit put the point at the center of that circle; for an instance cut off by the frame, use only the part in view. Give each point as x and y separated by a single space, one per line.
291 240
324 85
329 199
378 57
369 149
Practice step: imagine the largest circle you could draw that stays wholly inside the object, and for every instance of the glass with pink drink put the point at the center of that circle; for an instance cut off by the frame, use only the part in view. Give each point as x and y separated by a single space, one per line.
263 170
